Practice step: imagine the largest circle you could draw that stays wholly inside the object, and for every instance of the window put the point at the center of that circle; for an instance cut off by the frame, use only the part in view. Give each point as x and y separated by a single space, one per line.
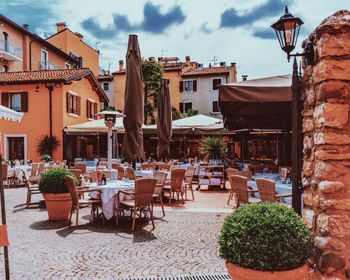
215 107
66 65
185 106
17 101
216 83
5 41
79 60
44 60
188 85
105 86
91 109
73 103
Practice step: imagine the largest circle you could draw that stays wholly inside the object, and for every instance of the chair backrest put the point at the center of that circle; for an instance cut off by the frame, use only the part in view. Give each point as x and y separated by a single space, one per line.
247 174
115 165
81 166
189 174
41 168
34 171
76 173
93 176
72 189
164 166
145 166
177 178
144 189
240 187
257 168
51 165
121 172
130 173
5 170
25 180
267 189
160 176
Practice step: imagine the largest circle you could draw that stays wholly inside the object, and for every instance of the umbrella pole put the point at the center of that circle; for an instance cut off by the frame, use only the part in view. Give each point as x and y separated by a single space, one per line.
109 150
3 220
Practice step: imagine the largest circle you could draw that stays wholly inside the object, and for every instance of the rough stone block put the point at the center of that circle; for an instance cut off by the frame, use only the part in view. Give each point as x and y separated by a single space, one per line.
308 125
334 225
329 170
331 138
330 69
328 243
335 204
331 262
328 187
309 217
333 89
331 155
331 115
330 45
308 169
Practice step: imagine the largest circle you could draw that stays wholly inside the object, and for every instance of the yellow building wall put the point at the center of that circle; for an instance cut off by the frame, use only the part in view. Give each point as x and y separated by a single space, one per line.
68 42
119 90
174 90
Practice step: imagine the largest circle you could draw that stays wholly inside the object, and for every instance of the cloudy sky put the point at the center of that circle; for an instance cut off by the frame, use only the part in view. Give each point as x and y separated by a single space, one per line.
221 30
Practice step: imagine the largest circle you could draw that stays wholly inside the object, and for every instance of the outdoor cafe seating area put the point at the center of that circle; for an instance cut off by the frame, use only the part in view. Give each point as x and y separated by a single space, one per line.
123 190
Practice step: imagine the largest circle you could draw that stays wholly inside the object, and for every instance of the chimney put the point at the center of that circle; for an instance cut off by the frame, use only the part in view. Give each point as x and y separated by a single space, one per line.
233 64
60 26
79 35
26 26
222 64
244 78
187 60
121 65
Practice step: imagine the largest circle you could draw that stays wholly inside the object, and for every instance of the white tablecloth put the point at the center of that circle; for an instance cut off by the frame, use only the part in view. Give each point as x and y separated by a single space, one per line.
109 191
149 173
17 170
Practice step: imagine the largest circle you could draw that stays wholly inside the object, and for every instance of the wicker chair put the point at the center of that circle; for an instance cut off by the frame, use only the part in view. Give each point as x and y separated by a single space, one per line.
4 172
188 180
130 173
267 190
76 173
176 184
78 203
164 166
121 172
141 200
115 165
145 166
31 188
239 190
93 176
34 175
41 168
81 166
160 176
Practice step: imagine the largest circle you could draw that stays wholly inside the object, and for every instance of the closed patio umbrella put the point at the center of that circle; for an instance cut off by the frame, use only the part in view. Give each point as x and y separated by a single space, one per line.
133 104
164 121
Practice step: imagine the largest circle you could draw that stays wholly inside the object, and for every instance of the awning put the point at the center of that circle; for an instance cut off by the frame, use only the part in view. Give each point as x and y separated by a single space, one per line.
8 114
261 103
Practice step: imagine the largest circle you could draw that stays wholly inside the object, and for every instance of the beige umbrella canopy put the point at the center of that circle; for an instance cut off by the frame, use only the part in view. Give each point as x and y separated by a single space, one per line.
164 121
133 104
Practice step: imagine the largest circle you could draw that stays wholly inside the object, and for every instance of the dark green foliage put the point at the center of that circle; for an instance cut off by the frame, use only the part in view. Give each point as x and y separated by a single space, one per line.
109 108
43 147
213 148
191 112
152 74
175 113
265 236
52 181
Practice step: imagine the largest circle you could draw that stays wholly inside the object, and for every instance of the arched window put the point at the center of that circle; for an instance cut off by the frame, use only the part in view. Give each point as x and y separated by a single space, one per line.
5 41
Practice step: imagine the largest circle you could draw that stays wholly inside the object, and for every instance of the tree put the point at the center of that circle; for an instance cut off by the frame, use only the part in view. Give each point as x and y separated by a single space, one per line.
175 113
191 112
152 74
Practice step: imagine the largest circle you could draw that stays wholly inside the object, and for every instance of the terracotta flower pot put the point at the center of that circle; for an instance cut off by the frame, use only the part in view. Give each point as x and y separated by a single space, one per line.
240 273
58 206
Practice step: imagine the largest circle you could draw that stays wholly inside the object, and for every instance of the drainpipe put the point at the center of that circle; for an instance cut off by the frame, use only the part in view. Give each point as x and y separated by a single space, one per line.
50 88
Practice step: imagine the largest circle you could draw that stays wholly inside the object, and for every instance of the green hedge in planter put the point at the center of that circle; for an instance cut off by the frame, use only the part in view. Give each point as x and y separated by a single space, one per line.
53 181
265 236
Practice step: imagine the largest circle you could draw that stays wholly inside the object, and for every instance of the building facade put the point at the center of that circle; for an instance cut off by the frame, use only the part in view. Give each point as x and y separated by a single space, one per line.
50 100
106 81
199 88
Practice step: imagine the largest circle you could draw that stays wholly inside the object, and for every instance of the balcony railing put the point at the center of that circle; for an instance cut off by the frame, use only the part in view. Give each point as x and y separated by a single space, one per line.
9 51
47 65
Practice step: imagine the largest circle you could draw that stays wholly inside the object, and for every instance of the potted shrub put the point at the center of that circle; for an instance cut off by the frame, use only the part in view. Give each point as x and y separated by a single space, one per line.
55 190
214 149
265 241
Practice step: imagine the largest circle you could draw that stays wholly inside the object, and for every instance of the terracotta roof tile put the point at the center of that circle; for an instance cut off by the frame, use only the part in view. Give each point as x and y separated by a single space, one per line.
104 77
207 71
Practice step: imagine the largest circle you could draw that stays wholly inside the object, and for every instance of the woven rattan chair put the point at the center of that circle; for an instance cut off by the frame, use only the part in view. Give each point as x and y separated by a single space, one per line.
239 190
160 176
41 168
34 175
164 166
93 176
230 172
5 171
121 172
146 166
130 173
79 203
141 200
267 190
115 165
31 188
188 180
76 172
176 184
81 166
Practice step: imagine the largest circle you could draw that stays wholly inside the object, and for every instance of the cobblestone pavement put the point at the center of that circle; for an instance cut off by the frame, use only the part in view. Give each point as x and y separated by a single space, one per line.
183 243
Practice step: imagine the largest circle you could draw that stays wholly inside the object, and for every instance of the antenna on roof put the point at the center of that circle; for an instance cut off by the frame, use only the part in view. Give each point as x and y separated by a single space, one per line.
216 58
109 66
163 51
96 44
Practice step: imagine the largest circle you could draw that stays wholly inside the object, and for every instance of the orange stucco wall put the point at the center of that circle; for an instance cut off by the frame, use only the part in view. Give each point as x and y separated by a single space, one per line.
119 90
35 122
68 42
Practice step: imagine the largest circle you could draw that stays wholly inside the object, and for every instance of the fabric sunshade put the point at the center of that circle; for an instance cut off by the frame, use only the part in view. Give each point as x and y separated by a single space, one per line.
8 114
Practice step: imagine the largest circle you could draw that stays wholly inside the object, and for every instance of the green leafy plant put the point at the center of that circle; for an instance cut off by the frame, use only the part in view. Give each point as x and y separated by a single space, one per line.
175 113
45 143
213 148
53 181
191 112
46 157
265 236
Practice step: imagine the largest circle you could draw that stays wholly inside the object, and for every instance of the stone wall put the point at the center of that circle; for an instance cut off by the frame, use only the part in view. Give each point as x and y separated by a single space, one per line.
326 165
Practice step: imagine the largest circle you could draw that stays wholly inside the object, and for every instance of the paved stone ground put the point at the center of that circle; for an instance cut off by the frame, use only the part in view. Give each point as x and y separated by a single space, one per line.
183 243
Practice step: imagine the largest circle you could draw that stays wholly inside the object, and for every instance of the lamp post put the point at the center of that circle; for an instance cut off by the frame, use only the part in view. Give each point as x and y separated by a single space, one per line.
287 31
110 119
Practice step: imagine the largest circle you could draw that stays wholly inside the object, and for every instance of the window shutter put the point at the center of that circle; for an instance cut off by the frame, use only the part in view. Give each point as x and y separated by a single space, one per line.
194 85
181 107
5 99
181 86
68 102
87 108
78 105
95 111
24 102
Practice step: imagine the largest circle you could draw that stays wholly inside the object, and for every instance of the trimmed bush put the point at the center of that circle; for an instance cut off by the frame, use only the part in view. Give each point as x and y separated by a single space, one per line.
265 236
53 181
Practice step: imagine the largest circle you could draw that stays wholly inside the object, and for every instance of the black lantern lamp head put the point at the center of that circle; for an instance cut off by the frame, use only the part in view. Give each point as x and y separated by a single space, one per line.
110 120
287 30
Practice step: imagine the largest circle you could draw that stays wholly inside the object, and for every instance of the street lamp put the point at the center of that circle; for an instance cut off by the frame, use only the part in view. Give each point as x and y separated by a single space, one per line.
287 30
110 119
